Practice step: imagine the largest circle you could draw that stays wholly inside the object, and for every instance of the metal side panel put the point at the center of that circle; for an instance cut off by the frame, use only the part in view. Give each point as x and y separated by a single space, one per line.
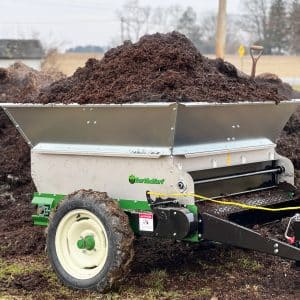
147 125
64 174
226 124
227 158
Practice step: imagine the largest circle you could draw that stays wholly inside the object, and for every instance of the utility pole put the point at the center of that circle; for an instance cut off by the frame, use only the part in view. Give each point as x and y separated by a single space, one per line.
122 29
221 30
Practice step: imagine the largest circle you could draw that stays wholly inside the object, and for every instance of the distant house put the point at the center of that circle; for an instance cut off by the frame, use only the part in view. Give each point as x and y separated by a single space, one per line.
30 52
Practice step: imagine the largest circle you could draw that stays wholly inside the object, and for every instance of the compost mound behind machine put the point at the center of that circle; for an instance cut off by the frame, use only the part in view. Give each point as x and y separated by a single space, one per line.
183 171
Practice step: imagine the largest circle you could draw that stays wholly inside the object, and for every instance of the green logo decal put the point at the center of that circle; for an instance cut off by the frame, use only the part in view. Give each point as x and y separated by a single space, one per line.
131 179
135 179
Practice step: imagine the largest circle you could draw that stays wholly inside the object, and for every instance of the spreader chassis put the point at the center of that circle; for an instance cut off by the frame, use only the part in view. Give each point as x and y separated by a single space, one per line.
130 150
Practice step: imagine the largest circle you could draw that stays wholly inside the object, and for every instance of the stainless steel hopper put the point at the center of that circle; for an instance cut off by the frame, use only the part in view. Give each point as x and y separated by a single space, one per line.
152 128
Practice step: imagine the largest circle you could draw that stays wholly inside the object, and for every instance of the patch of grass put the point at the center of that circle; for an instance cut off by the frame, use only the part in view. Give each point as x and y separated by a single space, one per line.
135 292
125 290
6 297
249 264
296 87
3 249
156 279
51 277
110 296
172 295
252 290
204 265
203 292
10 269
64 291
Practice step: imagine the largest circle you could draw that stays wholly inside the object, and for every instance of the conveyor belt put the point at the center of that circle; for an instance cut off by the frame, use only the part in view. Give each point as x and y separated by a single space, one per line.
262 198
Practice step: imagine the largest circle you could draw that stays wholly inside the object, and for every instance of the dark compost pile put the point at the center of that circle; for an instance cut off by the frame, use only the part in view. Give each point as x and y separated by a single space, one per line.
160 67
289 143
17 83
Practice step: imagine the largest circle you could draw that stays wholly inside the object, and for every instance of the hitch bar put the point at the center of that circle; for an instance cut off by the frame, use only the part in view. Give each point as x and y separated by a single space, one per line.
219 230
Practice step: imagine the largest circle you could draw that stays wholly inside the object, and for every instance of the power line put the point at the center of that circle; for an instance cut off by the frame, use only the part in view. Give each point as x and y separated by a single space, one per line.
58 22
59 5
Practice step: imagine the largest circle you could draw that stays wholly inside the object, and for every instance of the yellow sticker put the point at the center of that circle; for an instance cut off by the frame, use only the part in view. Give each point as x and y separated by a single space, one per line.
241 50
228 159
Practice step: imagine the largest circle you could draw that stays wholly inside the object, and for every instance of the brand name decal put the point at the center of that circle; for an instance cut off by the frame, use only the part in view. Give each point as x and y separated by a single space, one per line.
146 180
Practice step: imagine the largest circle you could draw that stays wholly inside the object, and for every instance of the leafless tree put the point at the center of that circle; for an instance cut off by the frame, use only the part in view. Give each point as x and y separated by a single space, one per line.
134 20
294 27
234 36
188 25
166 19
277 27
255 21
208 33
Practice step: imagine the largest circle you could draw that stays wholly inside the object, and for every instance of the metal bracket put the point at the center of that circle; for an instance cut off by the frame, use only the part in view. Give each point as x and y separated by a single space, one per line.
224 231
161 202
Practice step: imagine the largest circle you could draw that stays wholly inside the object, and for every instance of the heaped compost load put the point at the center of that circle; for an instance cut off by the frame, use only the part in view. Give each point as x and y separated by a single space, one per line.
159 67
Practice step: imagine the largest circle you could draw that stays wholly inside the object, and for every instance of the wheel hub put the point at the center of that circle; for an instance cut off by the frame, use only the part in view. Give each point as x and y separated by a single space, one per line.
86 243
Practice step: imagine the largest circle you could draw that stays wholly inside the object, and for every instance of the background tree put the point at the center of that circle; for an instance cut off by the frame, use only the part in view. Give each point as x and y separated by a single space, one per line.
87 49
294 27
254 21
208 33
134 20
274 24
166 19
278 27
189 26
234 36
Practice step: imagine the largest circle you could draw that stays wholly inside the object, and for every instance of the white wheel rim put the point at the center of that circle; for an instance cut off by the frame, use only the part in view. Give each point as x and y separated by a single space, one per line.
81 263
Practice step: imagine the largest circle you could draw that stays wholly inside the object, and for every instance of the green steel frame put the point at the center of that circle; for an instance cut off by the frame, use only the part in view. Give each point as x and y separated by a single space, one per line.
47 202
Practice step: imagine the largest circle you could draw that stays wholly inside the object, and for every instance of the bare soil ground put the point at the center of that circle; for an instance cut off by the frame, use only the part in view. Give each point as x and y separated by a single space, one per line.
283 66
68 63
165 270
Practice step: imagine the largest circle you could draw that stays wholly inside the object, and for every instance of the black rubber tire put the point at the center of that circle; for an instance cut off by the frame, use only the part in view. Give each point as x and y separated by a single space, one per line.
119 234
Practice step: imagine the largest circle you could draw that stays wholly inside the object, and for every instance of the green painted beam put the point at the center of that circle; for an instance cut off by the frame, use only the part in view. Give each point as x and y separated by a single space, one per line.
46 199
134 205
40 220
47 202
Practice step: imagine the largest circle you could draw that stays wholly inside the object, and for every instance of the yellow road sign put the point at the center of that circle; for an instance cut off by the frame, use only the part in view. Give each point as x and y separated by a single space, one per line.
241 50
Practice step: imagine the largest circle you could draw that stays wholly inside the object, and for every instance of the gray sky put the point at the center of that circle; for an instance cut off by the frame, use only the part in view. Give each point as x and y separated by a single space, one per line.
67 23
